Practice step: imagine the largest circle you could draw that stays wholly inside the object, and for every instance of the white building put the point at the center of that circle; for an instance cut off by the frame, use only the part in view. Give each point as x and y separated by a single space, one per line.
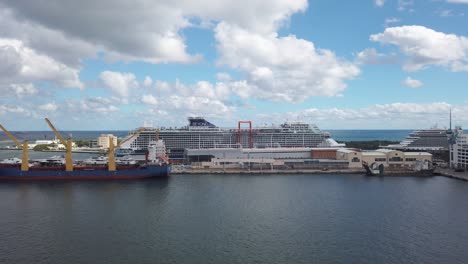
353 156
388 157
103 140
459 149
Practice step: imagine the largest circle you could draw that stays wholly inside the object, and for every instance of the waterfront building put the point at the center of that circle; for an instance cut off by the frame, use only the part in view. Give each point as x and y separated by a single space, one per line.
395 159
103 140
304 158
352 156
255 158
459 149
93 143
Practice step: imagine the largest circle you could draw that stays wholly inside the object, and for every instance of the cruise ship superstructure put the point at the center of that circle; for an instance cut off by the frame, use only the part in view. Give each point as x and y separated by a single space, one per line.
201 134
433 139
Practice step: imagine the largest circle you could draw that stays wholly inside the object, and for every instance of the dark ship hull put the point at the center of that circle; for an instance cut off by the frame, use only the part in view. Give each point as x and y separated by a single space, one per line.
14 173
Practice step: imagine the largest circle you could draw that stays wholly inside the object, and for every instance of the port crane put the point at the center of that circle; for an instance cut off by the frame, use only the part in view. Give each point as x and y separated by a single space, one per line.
24 146
111 164
67 144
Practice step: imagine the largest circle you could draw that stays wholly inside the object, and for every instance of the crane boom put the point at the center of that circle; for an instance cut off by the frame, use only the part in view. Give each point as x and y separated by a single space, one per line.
68 147
11 137
56 132
132 136
24 146
111 164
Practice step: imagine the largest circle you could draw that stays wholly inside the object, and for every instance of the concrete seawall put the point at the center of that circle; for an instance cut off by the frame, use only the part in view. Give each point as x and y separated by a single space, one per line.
452 174
256 172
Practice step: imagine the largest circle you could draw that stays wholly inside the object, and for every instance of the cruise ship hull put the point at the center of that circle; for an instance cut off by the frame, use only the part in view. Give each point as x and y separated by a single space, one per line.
141 172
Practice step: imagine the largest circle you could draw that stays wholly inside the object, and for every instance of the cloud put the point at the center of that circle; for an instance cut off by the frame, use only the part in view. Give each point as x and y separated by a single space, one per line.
147 82
392 115
222 76
391 20
119 83
22 65
176 107
281 68
64 48
13 109
424 47
412 83
371 56
91 105
379 3
50 107
148 30
448 13
18 90
458 1
404 5
149 99
177 99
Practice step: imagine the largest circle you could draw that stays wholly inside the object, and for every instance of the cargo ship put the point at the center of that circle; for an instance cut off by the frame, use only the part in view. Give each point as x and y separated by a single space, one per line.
14 173
58 168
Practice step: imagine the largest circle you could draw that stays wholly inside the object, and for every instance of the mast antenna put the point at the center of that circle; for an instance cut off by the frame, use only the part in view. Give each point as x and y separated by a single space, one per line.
450 118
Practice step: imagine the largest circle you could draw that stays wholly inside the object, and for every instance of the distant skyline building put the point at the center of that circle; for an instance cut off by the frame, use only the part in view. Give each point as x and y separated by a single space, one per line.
459 149
103 140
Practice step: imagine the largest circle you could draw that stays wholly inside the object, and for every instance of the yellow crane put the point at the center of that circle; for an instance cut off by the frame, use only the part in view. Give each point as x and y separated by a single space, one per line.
24 146
67 144
111 164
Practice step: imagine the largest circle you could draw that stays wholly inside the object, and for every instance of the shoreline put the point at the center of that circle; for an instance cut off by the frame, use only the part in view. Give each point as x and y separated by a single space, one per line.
462 176
292 171
266 172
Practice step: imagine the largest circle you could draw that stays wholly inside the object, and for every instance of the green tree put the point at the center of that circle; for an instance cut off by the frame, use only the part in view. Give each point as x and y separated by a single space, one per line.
41 147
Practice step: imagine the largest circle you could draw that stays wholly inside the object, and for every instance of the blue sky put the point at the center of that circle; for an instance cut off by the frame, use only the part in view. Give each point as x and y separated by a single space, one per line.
370 64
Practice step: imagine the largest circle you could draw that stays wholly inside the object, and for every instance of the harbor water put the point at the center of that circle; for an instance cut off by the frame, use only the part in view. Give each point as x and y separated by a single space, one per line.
236 219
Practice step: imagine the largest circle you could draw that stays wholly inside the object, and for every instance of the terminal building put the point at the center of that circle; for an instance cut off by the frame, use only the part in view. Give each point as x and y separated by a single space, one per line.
392 159
301 158
269 158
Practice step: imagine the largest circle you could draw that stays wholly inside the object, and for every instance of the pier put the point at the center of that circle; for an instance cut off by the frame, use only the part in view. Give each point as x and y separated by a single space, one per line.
452 174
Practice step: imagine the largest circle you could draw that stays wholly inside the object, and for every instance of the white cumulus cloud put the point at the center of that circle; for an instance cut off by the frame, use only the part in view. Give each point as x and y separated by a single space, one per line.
379 3
282 68
391 115
119 83
149 99
92 105
424 47
413 83
18 90
48 107
147 81
391 20
144 30
22 65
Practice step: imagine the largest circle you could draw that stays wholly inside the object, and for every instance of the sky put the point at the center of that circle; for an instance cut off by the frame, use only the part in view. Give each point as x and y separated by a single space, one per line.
118 65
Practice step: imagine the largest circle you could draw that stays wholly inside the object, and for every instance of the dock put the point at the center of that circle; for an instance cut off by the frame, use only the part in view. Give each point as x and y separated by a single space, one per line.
452 174
266 171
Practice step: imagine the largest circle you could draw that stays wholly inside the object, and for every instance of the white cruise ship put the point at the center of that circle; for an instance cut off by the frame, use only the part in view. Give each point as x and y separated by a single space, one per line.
201 134
433 139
